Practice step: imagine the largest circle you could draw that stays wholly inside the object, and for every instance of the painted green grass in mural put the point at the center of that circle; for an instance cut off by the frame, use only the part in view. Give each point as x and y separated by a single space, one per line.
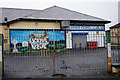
61 49
46 50
56 45
23 47
37 51
40 51
22 50
15 52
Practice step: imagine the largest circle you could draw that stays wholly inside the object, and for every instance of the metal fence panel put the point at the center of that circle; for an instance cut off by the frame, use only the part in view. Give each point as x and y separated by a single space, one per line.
42 53
115 45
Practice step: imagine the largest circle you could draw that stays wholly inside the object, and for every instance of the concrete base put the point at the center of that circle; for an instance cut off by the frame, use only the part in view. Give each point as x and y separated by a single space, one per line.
0 70
115 69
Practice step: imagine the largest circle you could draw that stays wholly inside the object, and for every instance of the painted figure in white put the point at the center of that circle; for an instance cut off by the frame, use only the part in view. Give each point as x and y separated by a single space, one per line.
14 43
25 43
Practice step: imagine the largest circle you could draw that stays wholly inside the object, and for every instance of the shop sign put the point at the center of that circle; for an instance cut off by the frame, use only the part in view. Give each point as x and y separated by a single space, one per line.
86 27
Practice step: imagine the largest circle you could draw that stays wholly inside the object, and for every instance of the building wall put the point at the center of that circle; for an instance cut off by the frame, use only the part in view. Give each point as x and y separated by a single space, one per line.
92 36
51 25
35 25
5 31
26 25
96 33
0 28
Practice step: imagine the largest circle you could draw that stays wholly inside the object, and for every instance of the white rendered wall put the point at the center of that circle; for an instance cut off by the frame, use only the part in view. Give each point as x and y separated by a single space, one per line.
92 36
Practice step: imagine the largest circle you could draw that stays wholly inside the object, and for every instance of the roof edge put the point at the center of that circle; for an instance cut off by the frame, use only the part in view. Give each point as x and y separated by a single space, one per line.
115 26
19 8
18 19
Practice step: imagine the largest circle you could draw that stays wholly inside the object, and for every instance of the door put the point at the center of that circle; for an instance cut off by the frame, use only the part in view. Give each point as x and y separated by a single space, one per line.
79 41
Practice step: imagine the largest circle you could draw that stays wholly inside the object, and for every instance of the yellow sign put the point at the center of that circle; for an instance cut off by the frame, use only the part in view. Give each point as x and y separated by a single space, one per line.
97 32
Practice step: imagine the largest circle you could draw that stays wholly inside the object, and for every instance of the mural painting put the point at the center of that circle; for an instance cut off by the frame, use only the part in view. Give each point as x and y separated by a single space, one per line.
26 41
39 41
14 43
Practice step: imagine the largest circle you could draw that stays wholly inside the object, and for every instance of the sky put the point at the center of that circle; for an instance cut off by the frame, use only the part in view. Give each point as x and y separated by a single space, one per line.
106 9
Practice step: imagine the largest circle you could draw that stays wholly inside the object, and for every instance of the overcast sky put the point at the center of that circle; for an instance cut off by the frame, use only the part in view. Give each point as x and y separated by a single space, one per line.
106 9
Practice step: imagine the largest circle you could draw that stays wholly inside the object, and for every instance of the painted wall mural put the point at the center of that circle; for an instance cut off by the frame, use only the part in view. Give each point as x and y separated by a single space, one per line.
39 41
26 40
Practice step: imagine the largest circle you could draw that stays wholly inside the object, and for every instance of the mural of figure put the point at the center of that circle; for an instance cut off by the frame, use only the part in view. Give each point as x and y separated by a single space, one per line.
14 43
25 43
39 41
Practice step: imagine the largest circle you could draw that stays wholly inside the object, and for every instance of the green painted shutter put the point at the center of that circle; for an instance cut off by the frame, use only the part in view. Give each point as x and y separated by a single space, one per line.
108 36
0 39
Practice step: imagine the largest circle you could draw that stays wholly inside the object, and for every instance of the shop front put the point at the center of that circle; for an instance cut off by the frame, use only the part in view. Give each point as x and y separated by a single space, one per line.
85 36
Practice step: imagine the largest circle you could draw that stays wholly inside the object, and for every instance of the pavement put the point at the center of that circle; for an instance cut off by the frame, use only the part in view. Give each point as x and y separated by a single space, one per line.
85 63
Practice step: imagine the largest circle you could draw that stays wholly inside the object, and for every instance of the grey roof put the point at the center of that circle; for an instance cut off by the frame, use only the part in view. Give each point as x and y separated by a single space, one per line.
51 13
58 13
115 26
14 13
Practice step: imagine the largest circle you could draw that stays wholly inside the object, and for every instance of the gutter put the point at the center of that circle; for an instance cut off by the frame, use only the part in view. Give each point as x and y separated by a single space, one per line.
82 21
